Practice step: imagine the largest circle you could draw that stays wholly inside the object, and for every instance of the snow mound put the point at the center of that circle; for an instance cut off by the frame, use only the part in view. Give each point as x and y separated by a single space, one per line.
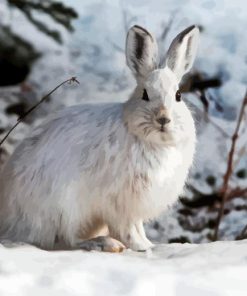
218 268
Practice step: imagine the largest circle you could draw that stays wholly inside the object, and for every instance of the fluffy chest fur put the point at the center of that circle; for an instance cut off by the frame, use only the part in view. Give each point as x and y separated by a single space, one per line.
154 179
130 175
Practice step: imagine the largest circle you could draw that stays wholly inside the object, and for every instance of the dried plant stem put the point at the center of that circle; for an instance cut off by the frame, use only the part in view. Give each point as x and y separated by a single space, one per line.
243 233
225 189
20 119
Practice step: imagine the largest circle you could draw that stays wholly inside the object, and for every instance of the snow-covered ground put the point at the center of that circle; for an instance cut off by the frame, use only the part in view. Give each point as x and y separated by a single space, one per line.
215 269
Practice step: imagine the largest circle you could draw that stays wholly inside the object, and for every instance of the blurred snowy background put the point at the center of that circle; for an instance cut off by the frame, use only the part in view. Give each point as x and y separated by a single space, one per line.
43 43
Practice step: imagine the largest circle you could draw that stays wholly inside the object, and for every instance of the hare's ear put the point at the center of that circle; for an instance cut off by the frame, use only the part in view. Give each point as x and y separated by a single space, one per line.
182 51
141 52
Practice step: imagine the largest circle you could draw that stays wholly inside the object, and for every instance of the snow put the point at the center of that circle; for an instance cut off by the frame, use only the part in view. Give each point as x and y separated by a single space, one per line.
215 269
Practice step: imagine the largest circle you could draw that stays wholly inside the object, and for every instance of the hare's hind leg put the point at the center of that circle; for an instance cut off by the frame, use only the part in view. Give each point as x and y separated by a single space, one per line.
95 237
101 243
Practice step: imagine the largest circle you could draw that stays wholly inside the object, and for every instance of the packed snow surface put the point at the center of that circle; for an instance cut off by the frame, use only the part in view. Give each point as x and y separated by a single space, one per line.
214 269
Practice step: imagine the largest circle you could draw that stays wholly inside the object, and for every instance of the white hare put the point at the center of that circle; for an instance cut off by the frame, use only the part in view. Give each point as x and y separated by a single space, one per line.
114 165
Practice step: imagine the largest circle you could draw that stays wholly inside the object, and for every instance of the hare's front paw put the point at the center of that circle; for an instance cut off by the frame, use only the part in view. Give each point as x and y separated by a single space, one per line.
101 243
137 244
135 238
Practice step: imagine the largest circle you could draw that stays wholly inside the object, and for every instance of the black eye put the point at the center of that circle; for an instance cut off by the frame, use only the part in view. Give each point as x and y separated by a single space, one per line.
145 96
178 96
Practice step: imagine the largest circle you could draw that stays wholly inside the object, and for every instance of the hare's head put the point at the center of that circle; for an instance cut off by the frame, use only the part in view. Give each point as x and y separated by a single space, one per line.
155 111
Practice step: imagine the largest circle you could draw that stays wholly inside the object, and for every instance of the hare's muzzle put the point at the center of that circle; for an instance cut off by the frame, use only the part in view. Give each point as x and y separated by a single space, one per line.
163 120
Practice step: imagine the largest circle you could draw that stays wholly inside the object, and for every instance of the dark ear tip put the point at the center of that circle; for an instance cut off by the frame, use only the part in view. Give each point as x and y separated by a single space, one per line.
190 28
186 31
137 27
196 27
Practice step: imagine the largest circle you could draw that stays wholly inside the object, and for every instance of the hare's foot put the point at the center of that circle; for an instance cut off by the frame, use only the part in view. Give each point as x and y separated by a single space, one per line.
137 239
134 237
101 243
141 232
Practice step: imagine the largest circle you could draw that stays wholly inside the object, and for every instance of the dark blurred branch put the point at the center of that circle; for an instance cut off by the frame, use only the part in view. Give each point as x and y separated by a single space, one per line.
204 84
204 101
20 119
56 10
197 83
202 199
42 27
237 192
229 169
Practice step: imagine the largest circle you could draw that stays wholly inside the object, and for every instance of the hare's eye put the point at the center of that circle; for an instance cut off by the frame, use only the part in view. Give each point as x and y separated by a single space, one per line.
178 96
145 95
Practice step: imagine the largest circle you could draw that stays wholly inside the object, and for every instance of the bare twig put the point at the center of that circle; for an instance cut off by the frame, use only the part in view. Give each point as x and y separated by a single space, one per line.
126 22
243 233
20 119
162 38
126 18
116 46
225 189
167 27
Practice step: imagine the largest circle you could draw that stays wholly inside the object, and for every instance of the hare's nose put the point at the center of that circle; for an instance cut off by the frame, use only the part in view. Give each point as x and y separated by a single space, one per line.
163 120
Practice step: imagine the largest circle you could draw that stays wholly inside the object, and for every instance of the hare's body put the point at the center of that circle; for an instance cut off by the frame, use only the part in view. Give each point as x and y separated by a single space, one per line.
94 165
88 174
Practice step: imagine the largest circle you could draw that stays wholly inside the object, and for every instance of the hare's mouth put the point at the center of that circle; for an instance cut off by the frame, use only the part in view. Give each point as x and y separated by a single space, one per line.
162 129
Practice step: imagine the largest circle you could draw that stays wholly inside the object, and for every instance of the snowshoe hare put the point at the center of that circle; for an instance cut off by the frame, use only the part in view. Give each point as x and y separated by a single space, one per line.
113 165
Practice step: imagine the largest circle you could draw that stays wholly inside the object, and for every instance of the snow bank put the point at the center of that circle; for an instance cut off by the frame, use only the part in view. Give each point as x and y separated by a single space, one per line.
215 269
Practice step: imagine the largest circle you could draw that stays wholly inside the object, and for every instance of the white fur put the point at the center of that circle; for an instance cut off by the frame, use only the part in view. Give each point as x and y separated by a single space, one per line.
94 165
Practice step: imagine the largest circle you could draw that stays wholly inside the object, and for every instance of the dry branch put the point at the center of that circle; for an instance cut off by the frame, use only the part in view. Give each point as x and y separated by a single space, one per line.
20 119
225 187
243 234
